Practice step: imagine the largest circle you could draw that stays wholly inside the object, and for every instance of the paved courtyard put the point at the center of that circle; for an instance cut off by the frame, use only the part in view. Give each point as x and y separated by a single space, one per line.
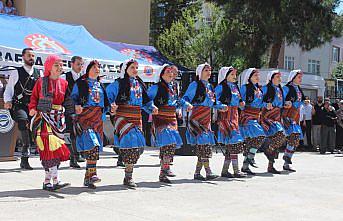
314 192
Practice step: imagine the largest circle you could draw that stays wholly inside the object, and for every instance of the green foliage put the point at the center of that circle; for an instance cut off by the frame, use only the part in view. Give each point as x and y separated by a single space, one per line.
246 33
256 26
337 73
163 14
197 37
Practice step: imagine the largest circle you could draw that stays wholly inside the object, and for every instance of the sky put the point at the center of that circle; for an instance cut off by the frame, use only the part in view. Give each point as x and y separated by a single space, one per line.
339 9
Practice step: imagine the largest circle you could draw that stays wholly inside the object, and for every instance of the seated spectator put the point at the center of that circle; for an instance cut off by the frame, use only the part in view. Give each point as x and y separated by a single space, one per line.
9 8
328 132
2 7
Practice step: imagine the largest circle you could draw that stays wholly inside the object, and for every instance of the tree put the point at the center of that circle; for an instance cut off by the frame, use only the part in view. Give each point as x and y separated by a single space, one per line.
256 26
174 42
197 37
337 73
163 14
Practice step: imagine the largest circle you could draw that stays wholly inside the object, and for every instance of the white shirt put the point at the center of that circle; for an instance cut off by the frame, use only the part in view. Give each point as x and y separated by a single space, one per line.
307 111
301 118
13 79
74 74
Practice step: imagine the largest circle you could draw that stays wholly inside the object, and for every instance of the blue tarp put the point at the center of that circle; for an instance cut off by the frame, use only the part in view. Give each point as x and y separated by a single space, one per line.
52 37
147 54
47 37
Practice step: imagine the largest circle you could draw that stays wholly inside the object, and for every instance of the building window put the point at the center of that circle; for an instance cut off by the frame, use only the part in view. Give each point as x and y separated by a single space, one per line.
335 54
289 63
314 66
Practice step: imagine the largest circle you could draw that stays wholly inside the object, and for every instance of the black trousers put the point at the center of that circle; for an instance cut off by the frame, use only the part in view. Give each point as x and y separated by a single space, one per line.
339 137
72 146
308 131
20 114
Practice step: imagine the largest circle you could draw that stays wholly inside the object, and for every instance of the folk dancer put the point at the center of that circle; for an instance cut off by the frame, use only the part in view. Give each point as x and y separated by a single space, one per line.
229 97
48 123
127 96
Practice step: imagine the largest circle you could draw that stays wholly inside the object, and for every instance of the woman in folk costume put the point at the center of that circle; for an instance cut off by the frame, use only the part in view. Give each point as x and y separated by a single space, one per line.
294 98
91 104
48 121
166 134
200 94
271 117
229 98
128 95
250 116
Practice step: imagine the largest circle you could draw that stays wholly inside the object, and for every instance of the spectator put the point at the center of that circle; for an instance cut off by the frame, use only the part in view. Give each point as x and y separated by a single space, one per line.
336 104
317 115
307 114
9 8
339 127
2 7
328 133
301 146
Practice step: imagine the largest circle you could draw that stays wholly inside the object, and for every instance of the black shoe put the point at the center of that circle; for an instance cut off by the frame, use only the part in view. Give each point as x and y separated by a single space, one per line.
227 175
120 164
164 179
48 187
211 177
288 168
238 175
24 163
248 171
129 183
287 159
199 177
74 164
273 171
90 186
60 185
251 162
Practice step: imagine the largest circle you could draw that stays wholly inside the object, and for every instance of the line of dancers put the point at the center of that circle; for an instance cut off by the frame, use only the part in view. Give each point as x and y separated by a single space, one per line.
246 118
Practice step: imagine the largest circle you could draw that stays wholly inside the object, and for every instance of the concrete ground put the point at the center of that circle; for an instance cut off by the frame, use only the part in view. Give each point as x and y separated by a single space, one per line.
314 192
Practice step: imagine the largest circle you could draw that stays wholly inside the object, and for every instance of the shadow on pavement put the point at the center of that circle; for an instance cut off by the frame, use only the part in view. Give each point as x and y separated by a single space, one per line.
39 193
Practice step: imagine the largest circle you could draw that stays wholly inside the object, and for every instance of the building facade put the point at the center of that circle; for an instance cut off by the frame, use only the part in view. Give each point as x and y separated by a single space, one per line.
113 20
318 61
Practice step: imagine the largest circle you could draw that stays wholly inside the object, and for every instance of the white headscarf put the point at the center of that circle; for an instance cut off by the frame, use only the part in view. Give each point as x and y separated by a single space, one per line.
158 76
125 63
247 74
161 69
223 72
293 74
200 68
270 75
